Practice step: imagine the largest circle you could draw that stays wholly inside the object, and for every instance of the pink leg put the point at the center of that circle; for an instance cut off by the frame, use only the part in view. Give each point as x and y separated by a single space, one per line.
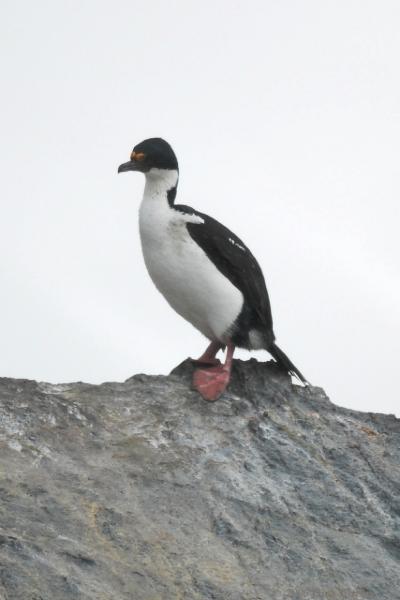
211 382
208 357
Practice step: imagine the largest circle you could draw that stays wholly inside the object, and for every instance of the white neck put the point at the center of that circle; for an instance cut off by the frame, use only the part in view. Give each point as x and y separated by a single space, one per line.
159 181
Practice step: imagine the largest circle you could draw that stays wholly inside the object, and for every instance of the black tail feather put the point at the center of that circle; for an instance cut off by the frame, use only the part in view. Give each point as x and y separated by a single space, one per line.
286 363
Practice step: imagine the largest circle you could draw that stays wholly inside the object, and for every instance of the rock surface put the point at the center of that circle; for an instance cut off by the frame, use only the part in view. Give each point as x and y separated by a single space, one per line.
141 490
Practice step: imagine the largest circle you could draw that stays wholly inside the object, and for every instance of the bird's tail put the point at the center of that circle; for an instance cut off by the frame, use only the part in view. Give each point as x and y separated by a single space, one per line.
285 362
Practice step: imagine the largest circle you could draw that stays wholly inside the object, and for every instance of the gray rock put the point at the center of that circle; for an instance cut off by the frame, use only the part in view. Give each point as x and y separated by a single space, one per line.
141 490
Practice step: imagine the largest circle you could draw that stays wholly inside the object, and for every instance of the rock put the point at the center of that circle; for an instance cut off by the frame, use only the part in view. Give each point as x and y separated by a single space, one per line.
141 490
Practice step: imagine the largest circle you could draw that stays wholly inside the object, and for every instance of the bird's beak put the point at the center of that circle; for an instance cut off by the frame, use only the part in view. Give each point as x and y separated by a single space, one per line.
128 166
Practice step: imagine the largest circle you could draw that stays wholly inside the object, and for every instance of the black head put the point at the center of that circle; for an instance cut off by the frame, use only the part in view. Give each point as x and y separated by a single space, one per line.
154 153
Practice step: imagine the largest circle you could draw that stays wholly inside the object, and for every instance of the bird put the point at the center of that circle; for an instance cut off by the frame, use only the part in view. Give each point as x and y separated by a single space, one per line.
205 272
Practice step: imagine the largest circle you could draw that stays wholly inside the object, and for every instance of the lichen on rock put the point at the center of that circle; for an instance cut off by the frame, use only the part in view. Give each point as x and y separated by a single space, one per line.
141 490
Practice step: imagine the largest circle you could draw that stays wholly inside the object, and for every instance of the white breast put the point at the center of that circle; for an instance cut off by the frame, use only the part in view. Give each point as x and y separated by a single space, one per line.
180 269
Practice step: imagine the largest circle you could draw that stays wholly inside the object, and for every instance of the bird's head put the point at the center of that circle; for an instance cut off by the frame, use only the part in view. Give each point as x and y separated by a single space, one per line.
151 156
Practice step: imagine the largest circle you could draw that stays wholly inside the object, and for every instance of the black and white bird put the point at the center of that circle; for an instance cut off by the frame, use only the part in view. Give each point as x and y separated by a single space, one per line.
204 271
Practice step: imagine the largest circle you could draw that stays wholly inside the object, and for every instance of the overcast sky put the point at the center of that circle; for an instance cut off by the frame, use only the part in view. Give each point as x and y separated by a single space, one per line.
285 117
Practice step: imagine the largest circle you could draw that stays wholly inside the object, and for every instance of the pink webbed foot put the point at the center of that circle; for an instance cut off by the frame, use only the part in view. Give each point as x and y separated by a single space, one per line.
210 383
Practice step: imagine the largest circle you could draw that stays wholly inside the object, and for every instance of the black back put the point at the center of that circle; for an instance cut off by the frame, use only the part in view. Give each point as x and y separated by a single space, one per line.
235 261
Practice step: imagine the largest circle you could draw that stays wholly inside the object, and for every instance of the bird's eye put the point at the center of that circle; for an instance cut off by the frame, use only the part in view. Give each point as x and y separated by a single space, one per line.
139 156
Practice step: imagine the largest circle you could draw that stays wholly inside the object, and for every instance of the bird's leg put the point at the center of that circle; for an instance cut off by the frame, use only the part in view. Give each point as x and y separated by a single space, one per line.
211 382
208 357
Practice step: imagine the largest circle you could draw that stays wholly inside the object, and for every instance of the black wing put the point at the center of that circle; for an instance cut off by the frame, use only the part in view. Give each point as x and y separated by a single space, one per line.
234 260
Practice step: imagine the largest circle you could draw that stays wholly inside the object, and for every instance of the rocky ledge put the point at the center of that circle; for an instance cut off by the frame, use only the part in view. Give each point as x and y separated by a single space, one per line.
141 490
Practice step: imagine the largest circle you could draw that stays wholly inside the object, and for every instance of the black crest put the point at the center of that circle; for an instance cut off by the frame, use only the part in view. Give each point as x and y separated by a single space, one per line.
158 154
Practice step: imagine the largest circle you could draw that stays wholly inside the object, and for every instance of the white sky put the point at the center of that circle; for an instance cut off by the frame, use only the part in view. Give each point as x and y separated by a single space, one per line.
285 117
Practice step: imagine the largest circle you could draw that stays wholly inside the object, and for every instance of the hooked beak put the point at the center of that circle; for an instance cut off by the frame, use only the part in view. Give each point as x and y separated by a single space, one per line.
128 166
